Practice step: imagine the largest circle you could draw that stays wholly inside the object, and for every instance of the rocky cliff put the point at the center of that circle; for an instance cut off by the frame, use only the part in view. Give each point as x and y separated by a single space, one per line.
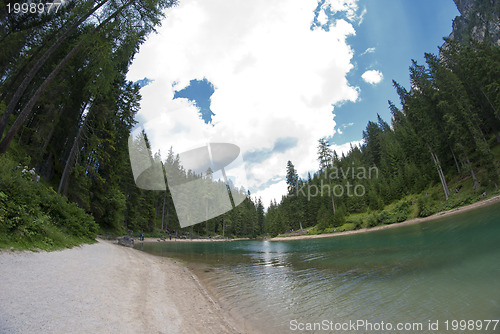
479 20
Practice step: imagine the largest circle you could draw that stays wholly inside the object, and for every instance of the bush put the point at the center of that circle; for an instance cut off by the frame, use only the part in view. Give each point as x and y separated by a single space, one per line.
32 215
399 213
313 231
347 227
371 221
425 208
383 217
329 230
357 223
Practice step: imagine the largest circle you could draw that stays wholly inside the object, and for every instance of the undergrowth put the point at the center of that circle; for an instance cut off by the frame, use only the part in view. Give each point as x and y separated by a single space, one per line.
33 216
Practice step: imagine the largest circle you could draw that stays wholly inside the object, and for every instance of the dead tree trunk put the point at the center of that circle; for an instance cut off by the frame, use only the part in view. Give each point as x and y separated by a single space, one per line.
73 155
440 172
473 175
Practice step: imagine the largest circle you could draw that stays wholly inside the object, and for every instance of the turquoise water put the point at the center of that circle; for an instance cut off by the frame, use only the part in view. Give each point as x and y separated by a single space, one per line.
444 270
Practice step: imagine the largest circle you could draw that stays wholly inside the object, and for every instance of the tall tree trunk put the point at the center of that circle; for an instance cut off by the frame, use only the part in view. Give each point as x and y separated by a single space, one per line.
36 67
440 172
26 111
455 159
333 204
491 104
473 175
73 155
330 183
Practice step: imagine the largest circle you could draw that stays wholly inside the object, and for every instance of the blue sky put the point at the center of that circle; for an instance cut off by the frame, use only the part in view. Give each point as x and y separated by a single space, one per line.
399 31
274 77
199 91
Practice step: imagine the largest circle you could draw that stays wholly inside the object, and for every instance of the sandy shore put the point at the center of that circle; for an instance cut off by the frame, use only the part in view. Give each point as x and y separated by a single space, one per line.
452 212
104 288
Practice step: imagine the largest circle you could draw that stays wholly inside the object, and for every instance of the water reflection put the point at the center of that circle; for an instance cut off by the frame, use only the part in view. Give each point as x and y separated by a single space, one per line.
443 270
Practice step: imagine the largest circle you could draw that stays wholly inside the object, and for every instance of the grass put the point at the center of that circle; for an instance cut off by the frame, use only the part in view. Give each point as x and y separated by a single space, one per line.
53 240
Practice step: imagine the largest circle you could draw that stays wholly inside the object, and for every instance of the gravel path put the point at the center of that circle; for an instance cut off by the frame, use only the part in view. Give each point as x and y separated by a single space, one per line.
104 288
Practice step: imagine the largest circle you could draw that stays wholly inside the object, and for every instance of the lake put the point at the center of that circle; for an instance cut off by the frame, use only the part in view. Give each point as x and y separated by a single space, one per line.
437 275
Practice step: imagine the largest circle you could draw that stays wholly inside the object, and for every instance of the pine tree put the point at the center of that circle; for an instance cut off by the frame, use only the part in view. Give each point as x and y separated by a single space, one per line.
326 159
291 178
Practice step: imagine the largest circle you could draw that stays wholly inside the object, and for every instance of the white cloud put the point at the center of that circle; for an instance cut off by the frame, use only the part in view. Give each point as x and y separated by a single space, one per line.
273 192
369 50
347 125
350 7
322 17
361 17
372 77
274 78
345 148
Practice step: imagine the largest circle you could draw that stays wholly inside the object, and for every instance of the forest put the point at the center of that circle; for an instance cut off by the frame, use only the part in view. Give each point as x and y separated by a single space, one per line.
67 111
441 150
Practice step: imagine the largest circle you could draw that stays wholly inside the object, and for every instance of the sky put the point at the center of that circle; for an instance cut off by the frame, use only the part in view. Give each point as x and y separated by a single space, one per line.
273 77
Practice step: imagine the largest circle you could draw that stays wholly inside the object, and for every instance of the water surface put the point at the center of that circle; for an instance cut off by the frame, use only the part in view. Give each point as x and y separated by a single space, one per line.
447 269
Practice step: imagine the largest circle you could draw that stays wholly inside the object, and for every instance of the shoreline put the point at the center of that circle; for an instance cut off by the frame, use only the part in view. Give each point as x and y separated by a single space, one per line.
476 205
106 288
148 240
462 209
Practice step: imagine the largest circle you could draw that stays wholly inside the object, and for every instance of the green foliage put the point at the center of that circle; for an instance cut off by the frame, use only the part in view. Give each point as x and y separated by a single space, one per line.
115 204
444 141
347 227
77 138
396 213
328 230
425 206
77 131
356 220
339 217
313 231
34 216
324 218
